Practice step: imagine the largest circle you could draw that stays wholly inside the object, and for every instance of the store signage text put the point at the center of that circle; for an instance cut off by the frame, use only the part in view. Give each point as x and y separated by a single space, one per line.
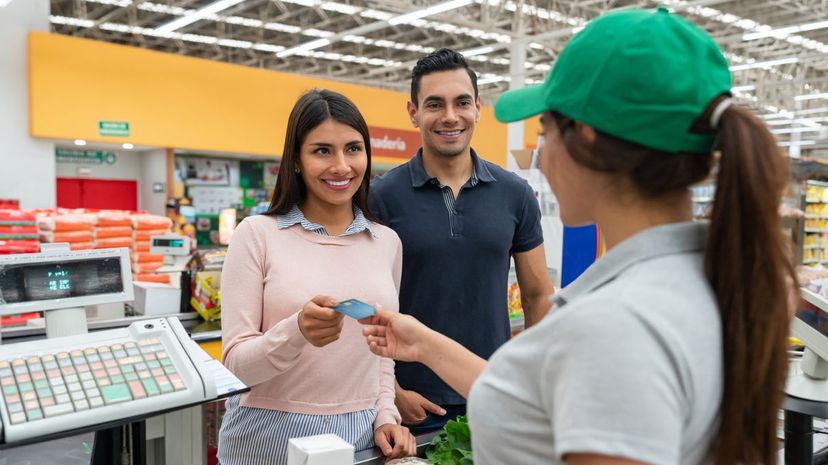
90 157
396 143
113 128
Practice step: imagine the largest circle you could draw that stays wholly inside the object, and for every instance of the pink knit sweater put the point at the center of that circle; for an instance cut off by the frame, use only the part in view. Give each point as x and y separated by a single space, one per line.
268 276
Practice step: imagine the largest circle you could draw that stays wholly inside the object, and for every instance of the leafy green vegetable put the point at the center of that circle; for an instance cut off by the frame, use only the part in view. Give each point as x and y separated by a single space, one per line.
453 445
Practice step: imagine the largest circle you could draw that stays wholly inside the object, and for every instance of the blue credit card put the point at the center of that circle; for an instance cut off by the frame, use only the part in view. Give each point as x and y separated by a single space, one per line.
355 309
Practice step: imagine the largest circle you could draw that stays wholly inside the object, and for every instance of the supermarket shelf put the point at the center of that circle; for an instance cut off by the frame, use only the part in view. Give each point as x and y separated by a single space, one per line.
815 230
810 247
810 262
816 217
813 201
814 298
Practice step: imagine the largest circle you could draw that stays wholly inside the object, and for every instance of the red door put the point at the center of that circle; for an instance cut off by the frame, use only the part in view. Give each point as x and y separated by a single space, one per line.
120 194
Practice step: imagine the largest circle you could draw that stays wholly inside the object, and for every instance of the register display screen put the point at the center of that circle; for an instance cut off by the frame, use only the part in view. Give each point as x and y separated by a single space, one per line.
175 243
60 280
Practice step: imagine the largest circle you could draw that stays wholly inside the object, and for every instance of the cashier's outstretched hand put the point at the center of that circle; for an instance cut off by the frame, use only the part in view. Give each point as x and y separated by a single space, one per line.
320 324
395 335
395 441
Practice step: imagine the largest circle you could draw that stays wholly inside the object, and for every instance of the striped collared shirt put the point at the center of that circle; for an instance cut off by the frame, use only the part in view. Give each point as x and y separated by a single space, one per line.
295 216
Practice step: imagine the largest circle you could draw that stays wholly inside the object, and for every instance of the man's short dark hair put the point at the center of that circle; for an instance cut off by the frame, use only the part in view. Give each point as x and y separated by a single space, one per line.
444 59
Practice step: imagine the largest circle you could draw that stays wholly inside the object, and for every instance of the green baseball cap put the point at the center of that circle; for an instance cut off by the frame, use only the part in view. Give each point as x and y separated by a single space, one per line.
640 75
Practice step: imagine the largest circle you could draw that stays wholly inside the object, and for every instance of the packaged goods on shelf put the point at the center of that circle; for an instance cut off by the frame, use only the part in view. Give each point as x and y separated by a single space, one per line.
113 242
67 236
141 246
18 233
807 274
151 222
141 268
103 232
146 234
17 218
66 223
140 257
81 245
113 218
152 278
15 247
206 294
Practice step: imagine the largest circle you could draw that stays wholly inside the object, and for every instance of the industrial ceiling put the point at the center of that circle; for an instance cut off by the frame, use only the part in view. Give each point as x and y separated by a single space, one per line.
778 49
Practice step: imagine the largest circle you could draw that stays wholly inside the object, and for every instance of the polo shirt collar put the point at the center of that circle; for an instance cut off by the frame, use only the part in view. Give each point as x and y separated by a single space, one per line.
295 216
669 239
419 175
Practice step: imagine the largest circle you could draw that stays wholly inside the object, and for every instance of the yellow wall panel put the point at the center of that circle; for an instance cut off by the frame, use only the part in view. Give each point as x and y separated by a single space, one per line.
182 102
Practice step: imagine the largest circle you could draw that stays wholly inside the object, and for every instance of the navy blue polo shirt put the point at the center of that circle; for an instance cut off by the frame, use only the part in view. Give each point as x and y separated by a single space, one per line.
456 255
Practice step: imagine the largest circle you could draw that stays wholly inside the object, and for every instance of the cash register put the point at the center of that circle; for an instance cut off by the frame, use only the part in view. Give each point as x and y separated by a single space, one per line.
74 380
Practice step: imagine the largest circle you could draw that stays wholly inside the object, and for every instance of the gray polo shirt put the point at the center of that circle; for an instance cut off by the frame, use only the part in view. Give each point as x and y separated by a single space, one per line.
628 364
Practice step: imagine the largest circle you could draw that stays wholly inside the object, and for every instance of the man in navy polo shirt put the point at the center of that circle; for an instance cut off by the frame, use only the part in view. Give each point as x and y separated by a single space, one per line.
460 219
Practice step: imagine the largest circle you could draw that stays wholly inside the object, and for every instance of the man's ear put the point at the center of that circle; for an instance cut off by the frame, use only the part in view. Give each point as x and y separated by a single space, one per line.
412 113
479 105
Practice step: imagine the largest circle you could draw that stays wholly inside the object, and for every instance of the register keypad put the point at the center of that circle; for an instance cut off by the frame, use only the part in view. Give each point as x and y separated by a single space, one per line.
34 387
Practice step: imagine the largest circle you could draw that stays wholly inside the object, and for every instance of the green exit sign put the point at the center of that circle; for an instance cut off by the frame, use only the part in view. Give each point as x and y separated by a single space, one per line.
113 128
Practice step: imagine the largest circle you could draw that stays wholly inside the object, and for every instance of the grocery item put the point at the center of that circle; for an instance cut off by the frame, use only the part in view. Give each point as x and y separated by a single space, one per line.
15 247
67 236
75 222
146 234
113 231
113 242
151 222
453 445
152 278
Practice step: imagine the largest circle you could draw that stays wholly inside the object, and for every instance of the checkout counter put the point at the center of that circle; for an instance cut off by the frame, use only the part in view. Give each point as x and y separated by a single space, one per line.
151 425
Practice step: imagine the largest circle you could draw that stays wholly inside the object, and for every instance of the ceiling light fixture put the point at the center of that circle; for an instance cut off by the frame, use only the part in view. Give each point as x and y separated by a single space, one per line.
784 32
800 98
197 15
128 146
432 10
4 3
80 142
306 47
765 64
477 51
739 89
796 142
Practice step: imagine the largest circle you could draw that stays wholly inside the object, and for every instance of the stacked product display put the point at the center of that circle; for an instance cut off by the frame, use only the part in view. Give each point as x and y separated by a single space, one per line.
18 232
815 240
87 229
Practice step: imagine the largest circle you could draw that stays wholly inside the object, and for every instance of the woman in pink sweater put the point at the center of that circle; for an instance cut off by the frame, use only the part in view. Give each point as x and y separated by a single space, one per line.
308 367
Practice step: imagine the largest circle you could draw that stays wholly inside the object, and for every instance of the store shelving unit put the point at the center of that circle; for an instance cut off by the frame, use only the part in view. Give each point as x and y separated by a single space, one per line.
815 232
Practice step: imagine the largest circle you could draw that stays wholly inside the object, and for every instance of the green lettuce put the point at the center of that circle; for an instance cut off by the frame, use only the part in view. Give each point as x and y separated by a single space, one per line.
453 445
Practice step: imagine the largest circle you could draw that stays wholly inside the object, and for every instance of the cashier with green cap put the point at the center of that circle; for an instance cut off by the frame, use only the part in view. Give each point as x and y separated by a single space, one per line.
671 349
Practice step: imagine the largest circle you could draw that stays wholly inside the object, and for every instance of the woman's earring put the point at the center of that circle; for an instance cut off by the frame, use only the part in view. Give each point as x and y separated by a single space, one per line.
297 170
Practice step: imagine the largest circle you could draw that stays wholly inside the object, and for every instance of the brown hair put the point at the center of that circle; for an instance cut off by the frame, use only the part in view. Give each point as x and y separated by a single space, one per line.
746 261
312 109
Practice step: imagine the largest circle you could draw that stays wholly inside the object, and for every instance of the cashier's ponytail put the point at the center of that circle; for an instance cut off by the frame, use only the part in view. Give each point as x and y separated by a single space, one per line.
747 259
749 266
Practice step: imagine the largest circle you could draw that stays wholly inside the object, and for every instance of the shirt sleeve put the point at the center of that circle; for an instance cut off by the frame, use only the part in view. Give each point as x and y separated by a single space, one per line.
613 386
250 354
528 233
386 409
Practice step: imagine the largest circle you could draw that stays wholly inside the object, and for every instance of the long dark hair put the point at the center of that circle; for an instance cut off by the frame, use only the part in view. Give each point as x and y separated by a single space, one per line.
747 261
312 109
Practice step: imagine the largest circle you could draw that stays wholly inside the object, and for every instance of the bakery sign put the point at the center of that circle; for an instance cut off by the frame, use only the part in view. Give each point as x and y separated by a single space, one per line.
396 143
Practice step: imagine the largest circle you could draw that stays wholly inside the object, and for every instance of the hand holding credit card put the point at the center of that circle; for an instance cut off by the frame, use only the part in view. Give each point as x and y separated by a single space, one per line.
355 309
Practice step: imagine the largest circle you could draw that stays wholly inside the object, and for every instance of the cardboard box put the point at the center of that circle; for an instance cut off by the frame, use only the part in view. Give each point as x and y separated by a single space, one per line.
324 449
156 299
